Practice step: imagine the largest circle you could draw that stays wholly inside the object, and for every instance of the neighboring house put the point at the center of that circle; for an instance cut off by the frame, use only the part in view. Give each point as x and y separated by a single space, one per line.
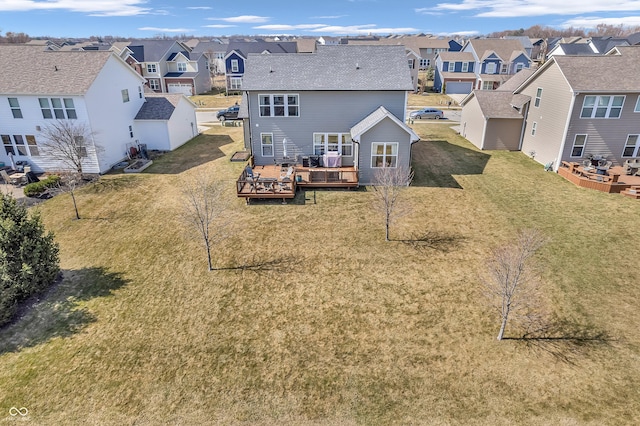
169 66
454 73
214 51
571 49
496 60
95 89
166 121
236 57
526 44
493 119
349 100
575 109
602 45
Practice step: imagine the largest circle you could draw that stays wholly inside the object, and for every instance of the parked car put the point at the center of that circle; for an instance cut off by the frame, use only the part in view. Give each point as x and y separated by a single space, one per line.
230 113
427 113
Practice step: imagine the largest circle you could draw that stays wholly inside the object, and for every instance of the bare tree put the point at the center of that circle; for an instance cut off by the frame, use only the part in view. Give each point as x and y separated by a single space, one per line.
65 141
389 183
204 206
512 282
69 182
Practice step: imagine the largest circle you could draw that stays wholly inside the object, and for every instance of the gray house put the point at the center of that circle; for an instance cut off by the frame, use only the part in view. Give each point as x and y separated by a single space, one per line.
343 105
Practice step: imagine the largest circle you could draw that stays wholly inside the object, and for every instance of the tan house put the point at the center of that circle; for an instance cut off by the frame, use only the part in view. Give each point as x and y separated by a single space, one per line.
571 108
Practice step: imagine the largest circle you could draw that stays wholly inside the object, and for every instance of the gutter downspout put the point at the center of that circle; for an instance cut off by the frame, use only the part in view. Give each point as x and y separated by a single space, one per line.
556 165
524 125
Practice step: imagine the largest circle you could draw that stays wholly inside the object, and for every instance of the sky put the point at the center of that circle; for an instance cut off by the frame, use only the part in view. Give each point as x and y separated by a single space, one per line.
151 18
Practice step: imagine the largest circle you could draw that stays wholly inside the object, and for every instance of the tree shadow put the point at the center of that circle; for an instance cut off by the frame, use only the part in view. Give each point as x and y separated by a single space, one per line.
564 340
433 240
255 263
436 162
198 151
58 312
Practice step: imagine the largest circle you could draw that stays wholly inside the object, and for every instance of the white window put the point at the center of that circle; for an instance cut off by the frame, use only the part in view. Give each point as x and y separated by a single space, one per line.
16 145
424 63
125 95
219 55
534 126
579 142
519 66
154 84
490 68
151 68
266 144
411 64
79 145
131 132
384 154
333 142
140 92
277 105
637 108
465 67
602 107
452 67
235 83
15 107
504 69
182 67
632 147
429 50
536 102
57 107
234 65
487 85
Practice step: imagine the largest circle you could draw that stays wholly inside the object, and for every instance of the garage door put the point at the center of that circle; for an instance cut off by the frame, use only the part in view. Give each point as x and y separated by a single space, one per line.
180 88
460 87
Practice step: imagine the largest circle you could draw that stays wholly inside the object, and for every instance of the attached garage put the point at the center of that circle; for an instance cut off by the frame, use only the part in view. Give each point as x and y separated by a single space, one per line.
185 89
458 87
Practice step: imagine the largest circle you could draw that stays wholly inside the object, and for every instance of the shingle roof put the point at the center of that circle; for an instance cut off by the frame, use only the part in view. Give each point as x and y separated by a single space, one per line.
342 67
376 117
247 47
496 104
456 56
149 50
594 73
604 44
158 106
209 46
30 70
576 48
516 80
504 48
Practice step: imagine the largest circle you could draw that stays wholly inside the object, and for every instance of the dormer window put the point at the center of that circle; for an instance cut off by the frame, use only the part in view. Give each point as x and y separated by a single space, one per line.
234 65
182 67
151 68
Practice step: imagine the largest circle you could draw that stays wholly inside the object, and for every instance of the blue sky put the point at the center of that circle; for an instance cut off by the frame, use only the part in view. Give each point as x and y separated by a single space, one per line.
149 18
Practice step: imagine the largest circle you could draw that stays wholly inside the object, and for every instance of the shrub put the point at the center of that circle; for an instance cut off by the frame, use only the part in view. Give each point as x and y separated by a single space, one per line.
29 260
37 188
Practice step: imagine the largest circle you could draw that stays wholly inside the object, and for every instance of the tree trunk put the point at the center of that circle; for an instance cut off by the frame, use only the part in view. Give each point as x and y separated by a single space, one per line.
386 237
209 255
504 324
75 206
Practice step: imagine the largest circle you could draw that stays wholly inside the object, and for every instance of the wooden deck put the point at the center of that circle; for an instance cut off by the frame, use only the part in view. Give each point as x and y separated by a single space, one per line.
614 182
270 182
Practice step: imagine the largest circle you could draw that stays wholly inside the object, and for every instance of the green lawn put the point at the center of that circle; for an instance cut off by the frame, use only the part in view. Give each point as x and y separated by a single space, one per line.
315 319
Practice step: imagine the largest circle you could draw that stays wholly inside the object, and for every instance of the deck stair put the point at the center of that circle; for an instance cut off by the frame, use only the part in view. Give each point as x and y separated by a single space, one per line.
632 192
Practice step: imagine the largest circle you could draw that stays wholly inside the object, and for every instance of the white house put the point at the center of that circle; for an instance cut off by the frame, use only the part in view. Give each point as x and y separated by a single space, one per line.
96 89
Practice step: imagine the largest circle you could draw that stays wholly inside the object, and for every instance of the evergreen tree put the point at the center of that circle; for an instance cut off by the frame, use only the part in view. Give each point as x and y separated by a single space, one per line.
29 260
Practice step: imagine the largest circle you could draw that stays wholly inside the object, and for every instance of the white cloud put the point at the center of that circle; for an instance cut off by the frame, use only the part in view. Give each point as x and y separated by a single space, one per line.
329 17
166 30
219 26
592 22
244 19
93 7
517 8
278 27
199 7
361 29
460 33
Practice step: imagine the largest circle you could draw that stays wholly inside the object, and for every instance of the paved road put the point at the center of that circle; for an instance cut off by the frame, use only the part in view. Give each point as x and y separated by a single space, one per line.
450 115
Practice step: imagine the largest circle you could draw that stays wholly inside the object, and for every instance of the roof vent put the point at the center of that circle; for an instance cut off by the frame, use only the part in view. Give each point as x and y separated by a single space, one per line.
357 66
55 67
270 69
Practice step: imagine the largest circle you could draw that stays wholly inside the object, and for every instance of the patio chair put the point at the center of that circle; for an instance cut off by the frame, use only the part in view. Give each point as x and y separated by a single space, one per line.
252 178
8 179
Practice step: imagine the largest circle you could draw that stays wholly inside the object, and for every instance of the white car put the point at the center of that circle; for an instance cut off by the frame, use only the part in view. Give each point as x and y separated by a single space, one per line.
427 113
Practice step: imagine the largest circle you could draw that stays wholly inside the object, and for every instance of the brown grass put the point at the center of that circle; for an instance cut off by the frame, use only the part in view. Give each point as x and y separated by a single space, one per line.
314 319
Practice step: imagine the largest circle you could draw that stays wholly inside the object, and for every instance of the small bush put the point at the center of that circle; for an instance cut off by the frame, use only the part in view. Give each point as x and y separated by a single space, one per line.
37 188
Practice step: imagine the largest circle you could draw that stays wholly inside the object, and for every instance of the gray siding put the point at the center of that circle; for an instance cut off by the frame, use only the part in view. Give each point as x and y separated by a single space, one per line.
334 112
605 136
472 122
503 133
385 131
551 115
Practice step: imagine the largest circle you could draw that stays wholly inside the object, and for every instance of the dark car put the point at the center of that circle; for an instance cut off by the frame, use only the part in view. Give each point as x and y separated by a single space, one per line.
230 113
